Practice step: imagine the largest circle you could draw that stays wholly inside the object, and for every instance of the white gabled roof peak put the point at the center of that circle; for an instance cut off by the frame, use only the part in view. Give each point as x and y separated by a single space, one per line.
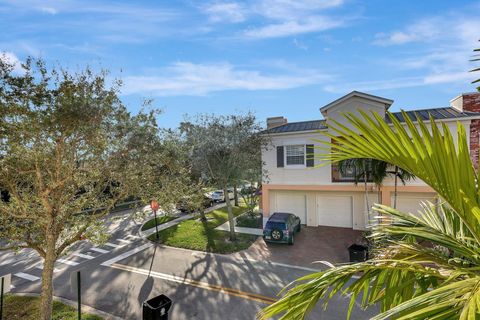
387 102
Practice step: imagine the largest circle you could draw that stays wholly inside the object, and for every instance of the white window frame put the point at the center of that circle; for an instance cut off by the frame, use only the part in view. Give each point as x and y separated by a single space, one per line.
295 166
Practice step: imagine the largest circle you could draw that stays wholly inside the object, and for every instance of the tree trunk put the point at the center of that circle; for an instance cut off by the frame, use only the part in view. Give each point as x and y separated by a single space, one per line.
366 190
203 217
230 215
395 190
46 298
235 195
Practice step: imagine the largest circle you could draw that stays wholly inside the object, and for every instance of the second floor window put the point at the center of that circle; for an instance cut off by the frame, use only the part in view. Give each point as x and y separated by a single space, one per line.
295 155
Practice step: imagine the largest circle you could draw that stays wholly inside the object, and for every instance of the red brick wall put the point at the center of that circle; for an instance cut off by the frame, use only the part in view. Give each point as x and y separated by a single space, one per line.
474 139
471 102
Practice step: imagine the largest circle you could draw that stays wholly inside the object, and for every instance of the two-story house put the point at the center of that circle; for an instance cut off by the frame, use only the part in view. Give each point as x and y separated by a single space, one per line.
321 195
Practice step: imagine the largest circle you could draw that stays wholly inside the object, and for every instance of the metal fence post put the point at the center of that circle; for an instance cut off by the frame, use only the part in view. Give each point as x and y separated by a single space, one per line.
1 299
79 294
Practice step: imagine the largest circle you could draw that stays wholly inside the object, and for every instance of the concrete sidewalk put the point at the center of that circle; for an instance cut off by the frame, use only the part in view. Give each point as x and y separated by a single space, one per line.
163 226
253 231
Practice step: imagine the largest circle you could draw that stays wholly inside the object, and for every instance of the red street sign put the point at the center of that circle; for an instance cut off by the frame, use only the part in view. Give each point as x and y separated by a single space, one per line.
154 205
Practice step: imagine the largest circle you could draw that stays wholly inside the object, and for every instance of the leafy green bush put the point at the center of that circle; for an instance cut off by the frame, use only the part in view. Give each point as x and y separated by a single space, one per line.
250 220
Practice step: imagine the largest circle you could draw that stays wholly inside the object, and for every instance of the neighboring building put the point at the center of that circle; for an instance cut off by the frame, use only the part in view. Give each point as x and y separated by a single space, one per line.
321 195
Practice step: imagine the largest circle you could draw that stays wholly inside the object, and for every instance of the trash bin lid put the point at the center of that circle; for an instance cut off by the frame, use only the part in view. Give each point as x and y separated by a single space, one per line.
357 247
158 302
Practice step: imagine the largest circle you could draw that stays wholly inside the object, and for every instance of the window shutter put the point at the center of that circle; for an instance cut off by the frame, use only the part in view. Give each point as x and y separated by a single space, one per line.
280 157
310 155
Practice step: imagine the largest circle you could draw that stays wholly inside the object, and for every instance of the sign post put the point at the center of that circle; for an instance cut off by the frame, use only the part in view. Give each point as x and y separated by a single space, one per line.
154 205
76 284
5 282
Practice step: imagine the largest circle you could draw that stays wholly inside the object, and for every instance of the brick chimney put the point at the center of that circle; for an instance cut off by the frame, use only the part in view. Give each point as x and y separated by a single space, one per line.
276 122
467 102
470 102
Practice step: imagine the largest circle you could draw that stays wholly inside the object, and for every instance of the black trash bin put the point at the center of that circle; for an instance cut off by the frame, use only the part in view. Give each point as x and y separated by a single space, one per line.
358 253
157 308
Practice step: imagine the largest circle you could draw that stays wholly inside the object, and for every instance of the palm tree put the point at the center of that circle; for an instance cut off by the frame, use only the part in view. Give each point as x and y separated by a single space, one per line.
360 173
404 176
476 58
406 278
365 170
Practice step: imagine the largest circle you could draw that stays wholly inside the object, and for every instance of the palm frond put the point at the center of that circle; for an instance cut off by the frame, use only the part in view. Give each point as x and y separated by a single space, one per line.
432 157
429 264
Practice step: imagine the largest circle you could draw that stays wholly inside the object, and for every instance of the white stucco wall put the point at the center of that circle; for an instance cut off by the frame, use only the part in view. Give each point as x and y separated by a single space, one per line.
318 175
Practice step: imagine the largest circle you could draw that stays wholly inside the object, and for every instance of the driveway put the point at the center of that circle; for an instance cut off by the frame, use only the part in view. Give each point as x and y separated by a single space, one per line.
311 244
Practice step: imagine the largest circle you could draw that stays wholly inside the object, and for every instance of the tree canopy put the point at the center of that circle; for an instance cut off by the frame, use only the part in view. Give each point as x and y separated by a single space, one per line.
69 151
225 150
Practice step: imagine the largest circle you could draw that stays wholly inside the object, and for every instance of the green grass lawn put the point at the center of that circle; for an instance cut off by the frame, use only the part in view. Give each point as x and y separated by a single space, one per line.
197 235
28 308
151 223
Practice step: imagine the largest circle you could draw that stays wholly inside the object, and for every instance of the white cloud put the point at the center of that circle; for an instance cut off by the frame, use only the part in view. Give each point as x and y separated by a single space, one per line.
280 18
189 79
300 45
229 11
402 82
49 10
425 30
292 9
288 28
12 59
375 85
106 21
444 46
450 77
444 28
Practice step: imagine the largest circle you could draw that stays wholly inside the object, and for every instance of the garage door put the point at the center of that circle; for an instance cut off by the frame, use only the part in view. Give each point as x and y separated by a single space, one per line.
292 203
335 211
410 204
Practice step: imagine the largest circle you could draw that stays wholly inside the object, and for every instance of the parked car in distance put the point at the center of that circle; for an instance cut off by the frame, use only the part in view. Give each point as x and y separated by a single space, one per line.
184 206
218 195
281 227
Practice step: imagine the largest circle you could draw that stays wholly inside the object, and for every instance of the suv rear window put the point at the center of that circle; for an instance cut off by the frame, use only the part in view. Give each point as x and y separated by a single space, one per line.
275 225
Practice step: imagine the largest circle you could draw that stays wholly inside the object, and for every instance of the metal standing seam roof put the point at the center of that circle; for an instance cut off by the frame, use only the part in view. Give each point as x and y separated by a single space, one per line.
299 126
424 114
436 113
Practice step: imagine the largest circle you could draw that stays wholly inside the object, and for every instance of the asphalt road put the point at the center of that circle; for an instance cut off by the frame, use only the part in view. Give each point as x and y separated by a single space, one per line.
117 278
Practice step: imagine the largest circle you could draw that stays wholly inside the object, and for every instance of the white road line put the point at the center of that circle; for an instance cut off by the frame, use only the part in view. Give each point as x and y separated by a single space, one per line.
70 263
124 241
112 245
26 276
99 250
126 254
84 256
132 236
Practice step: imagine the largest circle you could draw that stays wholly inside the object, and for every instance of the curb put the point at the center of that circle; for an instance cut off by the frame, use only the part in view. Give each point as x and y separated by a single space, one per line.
85 308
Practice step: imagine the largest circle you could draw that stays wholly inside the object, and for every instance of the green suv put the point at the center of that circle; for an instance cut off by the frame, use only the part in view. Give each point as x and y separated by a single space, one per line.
281 227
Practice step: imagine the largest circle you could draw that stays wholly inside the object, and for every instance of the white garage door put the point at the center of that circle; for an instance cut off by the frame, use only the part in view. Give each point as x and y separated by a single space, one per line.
335 211
292 203
410 204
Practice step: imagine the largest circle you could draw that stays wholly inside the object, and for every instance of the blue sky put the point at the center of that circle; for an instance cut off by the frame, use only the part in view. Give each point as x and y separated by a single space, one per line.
274 58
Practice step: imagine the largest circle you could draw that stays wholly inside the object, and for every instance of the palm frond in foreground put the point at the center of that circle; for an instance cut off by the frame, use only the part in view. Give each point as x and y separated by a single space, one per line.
428 266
